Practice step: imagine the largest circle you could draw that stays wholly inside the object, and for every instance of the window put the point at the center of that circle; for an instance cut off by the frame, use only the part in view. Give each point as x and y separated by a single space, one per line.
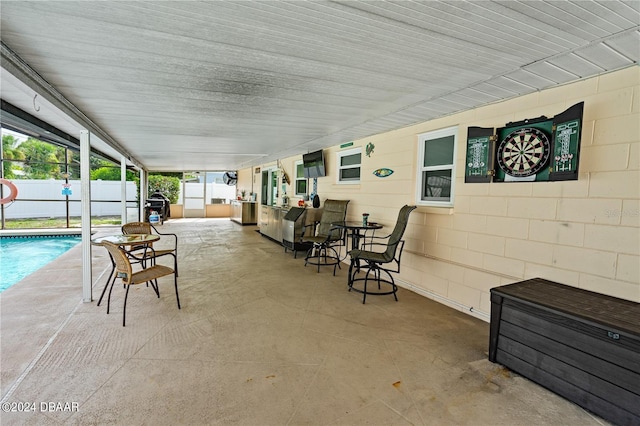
349 166
300 180
436 168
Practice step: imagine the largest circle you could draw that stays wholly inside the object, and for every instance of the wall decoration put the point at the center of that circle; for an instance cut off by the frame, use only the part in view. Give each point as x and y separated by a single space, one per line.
369 149
532 150
479 164
383 172
523 152
566 144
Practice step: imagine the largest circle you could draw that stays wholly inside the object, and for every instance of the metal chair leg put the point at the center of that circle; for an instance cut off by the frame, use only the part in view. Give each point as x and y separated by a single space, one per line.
113 268
124 310
364 293
350 276
175 283
154 286
175 263
113 281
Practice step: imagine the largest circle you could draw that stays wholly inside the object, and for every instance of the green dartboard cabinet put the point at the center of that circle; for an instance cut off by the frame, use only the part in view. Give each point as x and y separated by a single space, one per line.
533 150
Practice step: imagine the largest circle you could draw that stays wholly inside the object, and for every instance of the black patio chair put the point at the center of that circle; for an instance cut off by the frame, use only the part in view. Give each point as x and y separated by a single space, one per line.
328 238
376 262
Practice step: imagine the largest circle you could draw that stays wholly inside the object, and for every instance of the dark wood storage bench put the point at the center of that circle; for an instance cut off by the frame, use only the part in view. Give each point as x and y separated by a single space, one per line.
582 345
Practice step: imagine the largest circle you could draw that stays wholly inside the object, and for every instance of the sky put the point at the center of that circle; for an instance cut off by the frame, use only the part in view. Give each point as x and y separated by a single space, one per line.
16 135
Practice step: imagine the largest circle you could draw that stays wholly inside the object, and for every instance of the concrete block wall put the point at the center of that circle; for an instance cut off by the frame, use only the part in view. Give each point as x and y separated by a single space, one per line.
583 233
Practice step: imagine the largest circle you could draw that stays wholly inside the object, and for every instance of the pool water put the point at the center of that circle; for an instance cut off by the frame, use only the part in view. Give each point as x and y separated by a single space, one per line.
21 256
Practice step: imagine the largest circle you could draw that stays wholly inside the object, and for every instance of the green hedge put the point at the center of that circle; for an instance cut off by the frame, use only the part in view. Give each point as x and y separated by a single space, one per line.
168 185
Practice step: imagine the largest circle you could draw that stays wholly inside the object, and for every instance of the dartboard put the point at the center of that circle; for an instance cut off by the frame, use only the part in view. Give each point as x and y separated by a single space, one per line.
524 152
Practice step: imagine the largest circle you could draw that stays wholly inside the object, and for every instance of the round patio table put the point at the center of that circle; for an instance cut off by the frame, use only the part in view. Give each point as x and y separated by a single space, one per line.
127 240
357 230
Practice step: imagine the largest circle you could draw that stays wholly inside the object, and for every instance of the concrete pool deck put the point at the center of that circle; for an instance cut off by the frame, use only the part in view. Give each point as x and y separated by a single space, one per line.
260 340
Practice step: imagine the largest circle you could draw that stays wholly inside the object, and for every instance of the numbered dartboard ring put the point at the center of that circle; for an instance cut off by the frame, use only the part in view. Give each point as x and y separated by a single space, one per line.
524 152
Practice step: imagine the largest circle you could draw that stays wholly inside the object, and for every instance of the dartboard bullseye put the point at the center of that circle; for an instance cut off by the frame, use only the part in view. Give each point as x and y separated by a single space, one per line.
524 152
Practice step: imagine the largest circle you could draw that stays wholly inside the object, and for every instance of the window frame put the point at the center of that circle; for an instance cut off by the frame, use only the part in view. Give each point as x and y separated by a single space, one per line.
301 178
423 138
339 167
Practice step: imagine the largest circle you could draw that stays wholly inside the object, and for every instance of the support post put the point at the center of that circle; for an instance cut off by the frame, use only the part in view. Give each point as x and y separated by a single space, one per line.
143 193
123 189
1 187
85 202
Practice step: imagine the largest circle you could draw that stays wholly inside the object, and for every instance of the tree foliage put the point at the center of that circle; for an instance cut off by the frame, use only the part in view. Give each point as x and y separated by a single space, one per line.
168 185
32 159
111 173
35 159
42 160
10 151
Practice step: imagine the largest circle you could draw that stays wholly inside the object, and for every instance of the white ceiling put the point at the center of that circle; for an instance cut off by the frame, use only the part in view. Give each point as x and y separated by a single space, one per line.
217 85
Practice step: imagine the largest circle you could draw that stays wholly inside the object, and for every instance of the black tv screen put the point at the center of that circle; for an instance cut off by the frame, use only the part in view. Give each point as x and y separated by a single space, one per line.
313 163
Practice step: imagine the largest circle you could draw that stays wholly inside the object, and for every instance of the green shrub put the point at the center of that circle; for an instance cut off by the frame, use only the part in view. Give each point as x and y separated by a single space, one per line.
110 173
167 185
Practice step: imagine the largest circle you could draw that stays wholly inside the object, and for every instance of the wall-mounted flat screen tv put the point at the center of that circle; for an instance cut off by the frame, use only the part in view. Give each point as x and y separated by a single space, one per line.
313 163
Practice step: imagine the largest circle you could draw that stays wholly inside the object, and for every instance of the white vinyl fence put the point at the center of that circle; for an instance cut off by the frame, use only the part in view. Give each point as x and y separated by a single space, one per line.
105 196
211 193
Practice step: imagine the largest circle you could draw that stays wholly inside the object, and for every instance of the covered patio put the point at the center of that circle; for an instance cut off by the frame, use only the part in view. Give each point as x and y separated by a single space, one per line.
260 340
252 86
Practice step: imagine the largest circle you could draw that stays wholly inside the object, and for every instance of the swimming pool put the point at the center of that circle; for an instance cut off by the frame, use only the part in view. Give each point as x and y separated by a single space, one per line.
21 256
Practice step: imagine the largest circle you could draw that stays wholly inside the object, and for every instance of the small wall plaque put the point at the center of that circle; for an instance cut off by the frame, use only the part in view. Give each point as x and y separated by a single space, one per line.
383 172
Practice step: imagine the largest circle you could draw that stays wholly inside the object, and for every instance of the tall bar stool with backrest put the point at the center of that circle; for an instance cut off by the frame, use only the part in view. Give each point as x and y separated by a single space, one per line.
327 239
376 262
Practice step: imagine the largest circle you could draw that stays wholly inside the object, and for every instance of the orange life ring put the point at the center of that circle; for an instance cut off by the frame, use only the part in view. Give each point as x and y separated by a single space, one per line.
13 191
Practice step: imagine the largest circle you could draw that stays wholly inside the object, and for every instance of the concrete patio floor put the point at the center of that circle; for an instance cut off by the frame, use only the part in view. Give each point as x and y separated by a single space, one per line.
260 340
